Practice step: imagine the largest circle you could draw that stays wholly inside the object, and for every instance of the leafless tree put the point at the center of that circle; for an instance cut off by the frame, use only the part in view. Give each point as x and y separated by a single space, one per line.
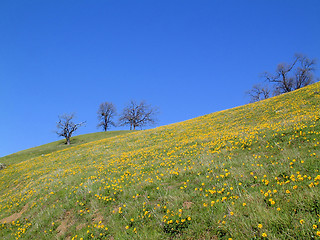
289 77
137 115
259 92
304 72
66 127
105 114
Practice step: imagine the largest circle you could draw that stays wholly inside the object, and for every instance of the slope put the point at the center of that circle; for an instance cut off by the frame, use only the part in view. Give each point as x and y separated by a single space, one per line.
247 172
58 145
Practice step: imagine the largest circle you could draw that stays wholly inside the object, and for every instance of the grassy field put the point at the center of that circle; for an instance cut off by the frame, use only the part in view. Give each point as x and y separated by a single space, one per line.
251 172
58 145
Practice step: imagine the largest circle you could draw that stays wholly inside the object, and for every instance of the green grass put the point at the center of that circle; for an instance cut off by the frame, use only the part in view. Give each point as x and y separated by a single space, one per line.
58 145
251 172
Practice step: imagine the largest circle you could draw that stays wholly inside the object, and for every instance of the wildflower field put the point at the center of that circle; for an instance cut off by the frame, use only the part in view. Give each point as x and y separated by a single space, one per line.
251 172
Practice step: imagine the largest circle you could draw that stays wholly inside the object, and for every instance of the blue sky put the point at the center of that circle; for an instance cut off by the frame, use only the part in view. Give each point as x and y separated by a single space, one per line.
189 58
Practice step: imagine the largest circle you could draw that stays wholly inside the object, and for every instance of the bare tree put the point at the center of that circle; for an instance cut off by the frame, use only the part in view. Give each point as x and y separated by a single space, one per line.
66 127
304 72
284 82
105 114
259 92
289 77
137 115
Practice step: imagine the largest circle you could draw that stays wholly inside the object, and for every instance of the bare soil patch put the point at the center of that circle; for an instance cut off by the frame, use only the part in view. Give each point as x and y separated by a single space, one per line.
187 205
65 224
98 217
15 216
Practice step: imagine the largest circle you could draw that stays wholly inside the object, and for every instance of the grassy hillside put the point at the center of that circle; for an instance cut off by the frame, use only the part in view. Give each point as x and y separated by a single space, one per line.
251 172
58 145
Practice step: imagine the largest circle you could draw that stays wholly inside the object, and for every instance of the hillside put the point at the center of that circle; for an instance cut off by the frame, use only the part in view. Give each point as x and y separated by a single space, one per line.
251 172
58 145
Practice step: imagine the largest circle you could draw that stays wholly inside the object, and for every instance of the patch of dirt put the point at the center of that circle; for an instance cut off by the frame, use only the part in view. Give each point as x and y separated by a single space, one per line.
98 217
65 224
187 205
15 216
79 227
16 187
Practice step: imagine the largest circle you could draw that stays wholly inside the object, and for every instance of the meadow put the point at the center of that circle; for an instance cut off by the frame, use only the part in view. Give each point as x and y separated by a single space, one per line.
58 145
250 172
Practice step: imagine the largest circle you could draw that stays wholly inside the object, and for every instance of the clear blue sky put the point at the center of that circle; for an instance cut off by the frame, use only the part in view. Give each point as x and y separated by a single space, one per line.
189 58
